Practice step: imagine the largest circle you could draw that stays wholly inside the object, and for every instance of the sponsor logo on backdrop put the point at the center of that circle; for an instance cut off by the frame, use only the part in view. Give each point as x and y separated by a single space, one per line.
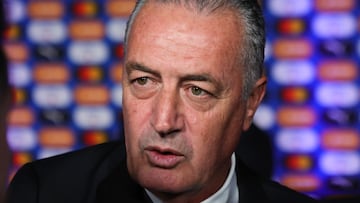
340 162
51 73
90 74
299 162
16 51
294 26
94 137
116 95
268 50
56 137
293 72
45 9
93 117
294 94
16 11
21 116
301 182
338 70
327 25
265 117
117 72
88 53
340 116
341 139
343 183
335 5
49 31
119 8
54 117
336 48
118 51
91 95
19 74
292 48
86 30
52 96
286 8
297 140
21 158
21 138
296 116
85 9
115 29
13 33
20 96
337 94
49 53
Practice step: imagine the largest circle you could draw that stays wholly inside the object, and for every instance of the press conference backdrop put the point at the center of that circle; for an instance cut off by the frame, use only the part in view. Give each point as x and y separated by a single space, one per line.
66 61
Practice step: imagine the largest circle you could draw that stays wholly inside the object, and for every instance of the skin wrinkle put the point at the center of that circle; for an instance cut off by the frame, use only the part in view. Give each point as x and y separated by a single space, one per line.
163 113
172 140
216 88
251 37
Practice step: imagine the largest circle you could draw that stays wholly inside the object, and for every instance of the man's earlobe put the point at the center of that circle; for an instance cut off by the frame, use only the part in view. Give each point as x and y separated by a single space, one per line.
254 100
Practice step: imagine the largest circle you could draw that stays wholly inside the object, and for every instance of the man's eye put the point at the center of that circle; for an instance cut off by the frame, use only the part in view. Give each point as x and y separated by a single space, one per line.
197 91
142 80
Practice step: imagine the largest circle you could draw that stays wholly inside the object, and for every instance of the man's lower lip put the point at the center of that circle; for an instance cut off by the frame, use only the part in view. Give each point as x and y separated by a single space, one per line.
166 161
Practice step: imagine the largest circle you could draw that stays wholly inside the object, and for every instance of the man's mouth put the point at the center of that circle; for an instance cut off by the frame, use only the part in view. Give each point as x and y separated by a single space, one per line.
163 157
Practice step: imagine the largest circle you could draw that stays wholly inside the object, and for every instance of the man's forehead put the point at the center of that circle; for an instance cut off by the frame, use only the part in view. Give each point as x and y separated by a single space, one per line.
173 21
190 6
205 41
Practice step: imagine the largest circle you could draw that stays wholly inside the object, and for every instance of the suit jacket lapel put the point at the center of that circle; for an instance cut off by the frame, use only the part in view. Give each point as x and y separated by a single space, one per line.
249 184
119 187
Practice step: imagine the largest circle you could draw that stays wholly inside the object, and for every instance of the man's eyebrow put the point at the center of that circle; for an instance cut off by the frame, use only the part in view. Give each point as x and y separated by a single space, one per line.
203 78
198 77
132 66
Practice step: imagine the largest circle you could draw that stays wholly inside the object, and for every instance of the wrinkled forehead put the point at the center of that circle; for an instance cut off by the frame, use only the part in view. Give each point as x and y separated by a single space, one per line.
172 21
203 43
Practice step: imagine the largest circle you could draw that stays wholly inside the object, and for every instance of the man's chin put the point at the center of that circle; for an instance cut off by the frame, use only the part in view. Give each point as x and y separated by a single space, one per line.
167 181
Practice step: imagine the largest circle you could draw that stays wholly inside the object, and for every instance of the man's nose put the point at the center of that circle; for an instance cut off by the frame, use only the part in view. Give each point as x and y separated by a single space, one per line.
166 115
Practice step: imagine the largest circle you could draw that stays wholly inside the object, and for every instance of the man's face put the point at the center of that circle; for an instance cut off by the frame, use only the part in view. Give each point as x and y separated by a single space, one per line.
182 104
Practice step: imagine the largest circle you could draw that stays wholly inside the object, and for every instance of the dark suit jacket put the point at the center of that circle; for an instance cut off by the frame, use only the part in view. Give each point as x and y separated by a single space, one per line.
99 174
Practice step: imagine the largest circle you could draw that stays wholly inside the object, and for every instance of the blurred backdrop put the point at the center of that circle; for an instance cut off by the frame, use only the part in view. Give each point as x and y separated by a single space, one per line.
65 66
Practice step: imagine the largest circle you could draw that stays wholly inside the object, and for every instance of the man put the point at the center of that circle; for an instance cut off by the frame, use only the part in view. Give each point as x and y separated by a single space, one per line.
193 79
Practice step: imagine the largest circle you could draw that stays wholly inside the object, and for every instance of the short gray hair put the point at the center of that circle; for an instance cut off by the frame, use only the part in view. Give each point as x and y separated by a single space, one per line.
251 51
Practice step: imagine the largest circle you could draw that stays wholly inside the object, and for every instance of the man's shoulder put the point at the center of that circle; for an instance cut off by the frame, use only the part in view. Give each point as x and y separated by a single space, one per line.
84 157
68 177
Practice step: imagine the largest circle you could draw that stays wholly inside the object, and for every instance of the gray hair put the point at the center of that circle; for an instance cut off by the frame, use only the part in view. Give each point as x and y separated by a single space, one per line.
252 47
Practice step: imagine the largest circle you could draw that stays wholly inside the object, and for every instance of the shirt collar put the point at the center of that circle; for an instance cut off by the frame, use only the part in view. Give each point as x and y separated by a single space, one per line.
227 193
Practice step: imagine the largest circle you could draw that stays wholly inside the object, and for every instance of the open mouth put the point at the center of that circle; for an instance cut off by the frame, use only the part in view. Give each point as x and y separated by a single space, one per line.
163 158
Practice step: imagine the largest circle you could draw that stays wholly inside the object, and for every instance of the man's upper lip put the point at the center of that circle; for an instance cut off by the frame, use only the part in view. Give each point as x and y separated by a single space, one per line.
164 150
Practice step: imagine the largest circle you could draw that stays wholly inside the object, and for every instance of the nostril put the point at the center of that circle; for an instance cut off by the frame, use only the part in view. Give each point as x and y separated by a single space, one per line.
169 133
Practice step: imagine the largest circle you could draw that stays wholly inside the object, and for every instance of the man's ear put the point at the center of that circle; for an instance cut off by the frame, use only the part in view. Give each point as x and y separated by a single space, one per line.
254 100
